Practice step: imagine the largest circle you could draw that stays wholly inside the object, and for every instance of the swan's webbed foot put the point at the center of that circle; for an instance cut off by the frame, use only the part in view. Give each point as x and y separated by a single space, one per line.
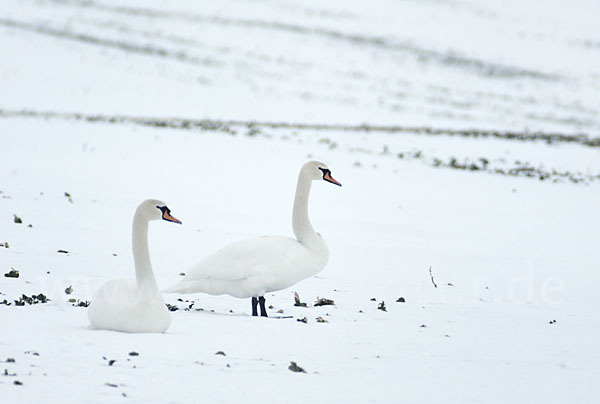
263 309
254 307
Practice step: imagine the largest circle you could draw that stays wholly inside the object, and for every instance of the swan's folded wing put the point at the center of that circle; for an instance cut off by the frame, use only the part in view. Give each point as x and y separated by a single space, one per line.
238 268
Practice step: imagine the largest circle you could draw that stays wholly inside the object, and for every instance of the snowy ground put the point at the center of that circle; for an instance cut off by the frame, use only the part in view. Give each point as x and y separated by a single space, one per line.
88 95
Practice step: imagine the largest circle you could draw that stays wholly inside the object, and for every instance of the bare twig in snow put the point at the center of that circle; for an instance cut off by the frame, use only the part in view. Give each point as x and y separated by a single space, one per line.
431 276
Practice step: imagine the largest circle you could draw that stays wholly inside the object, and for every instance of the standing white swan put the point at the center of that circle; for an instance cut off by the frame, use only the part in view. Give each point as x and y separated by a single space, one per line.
134 305
251 268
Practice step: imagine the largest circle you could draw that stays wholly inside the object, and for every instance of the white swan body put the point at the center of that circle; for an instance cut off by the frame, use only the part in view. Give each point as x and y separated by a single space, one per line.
129 305
253 267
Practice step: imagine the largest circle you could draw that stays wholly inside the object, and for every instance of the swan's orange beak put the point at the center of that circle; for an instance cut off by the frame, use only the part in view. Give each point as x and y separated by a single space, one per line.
327 177
167 216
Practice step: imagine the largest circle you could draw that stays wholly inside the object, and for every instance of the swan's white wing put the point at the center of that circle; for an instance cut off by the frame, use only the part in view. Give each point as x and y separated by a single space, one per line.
251 268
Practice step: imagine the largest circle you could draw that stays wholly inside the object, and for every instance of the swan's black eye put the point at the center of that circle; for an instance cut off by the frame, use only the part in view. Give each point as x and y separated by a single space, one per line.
325 171
163 209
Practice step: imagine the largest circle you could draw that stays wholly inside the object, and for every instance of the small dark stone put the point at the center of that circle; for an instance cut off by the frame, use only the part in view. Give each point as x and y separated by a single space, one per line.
302 320
373 299
220 353
18 383
62 251
133 353
111 362
401 300
13 273
41 298
10 360
17 219
295 368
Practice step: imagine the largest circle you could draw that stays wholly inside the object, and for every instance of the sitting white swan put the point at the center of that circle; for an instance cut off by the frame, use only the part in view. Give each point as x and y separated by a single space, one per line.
251 268
134 305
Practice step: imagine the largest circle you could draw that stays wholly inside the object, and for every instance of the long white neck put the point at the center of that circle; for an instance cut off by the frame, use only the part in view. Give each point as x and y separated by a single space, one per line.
141 256
300 223
303 230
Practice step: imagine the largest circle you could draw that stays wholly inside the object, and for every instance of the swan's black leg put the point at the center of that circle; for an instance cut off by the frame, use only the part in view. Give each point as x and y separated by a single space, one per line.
263 309
254 306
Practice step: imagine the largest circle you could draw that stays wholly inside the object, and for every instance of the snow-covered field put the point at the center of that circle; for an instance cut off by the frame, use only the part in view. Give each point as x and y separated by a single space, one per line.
466 137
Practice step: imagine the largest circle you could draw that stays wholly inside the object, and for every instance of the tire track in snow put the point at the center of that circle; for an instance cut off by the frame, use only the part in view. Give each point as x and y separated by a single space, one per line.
226 126
491 166
148 50
449 59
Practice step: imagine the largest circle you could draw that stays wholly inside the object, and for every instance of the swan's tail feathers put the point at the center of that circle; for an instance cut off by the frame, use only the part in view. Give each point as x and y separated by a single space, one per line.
185 287
177 288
